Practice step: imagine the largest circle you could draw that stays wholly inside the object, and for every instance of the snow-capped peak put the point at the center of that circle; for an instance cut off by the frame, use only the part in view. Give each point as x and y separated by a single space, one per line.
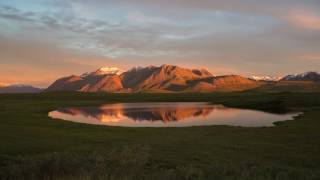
107 70
265 78
104 71
311 75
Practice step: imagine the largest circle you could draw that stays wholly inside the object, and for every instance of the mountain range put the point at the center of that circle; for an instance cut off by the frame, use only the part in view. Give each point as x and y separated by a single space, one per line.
166 78
307 76
19 88
169 78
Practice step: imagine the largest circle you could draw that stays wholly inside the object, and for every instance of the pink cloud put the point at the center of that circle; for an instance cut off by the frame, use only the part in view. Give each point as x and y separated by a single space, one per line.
304 19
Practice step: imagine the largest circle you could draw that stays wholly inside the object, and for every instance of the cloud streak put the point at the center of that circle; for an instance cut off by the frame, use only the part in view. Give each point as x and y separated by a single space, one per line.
304 19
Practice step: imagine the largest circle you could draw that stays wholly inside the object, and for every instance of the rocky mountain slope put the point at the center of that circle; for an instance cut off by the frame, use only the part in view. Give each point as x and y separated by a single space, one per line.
169 78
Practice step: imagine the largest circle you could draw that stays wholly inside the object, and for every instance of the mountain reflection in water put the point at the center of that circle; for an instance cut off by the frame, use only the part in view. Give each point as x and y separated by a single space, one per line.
168 115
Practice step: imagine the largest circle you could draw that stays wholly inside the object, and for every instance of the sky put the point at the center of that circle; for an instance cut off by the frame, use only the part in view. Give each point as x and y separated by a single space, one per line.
42 40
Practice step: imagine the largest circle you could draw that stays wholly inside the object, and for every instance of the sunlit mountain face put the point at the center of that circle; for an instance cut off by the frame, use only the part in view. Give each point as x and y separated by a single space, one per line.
168 115
165 78
171 78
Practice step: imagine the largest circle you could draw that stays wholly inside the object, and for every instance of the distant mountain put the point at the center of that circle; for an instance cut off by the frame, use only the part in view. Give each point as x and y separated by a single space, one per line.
307 76
166 78
308 81
19 88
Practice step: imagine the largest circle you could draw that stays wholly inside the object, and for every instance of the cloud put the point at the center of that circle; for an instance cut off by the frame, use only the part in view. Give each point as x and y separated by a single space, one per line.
310 57
233 36
40 63
304 19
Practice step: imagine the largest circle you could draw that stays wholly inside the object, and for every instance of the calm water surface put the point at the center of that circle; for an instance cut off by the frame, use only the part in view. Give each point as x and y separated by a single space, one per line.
168 115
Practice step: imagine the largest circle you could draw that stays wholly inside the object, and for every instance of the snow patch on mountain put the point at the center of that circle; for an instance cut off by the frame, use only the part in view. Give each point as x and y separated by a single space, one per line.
311 75
108 70
104 71
265 78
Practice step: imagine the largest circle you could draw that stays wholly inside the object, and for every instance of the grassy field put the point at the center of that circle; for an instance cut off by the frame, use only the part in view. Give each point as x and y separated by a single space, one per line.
33 146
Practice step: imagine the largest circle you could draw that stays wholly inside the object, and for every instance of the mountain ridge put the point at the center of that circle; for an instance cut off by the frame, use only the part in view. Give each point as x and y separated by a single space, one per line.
170 78
165 78
19 88
307 76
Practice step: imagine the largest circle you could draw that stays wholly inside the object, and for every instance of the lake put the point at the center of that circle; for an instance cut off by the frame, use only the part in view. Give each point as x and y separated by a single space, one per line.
177 114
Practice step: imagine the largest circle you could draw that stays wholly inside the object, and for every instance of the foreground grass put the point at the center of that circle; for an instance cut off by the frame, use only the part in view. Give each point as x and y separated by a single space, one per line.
33 146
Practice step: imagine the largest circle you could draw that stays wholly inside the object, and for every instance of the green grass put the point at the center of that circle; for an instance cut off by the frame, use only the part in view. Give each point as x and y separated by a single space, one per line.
33 146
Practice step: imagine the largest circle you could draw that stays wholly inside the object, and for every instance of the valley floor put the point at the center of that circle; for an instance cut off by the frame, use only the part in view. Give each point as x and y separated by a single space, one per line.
34 146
